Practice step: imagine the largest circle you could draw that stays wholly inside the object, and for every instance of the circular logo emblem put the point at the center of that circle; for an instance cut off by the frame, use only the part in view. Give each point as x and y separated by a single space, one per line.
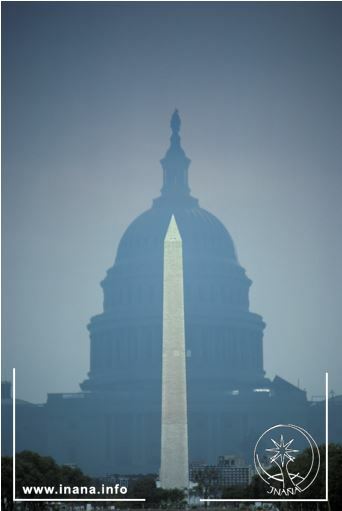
274 454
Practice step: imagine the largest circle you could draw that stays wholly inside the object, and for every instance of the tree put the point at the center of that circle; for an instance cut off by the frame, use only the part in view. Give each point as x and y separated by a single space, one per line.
235 492
145 488
173 498
6 483
207 480
35 470
258 489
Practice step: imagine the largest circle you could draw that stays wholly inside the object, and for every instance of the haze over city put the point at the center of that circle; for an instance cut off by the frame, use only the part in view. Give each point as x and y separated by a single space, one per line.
87 98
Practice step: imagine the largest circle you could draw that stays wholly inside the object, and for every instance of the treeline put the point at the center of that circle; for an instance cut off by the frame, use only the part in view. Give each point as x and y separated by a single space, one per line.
33 469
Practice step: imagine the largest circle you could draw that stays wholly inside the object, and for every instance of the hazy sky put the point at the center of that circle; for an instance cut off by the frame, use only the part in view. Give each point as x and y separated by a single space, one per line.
88 90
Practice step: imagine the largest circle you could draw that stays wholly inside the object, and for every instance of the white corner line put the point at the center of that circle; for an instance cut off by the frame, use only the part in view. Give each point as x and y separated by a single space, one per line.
14 455
80 500
13 429
326 499
326 435
261 499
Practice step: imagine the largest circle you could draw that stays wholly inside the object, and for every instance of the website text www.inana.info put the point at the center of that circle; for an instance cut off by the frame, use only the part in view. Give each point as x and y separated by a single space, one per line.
63 491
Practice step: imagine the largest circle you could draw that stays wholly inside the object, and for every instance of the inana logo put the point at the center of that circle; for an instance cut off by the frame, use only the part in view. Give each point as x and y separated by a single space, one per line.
274 454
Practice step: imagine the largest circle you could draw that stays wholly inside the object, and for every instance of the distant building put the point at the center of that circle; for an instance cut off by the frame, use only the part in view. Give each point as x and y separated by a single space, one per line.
233 471
121 479
113 425
230 470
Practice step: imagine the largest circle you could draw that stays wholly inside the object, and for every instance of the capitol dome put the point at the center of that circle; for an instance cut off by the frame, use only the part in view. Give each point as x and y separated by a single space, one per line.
223 338
203 234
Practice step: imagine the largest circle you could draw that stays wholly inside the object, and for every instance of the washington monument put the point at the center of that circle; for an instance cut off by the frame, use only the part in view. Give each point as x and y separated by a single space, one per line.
174 471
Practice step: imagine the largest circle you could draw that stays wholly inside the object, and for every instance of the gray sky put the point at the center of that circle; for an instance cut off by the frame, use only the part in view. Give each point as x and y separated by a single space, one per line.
88 90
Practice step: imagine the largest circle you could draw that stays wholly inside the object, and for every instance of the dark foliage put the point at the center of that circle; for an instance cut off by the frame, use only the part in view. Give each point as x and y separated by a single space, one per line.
35 470
258 489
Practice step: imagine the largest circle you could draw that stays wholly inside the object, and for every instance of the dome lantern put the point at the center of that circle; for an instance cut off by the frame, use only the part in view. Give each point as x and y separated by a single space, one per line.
175 164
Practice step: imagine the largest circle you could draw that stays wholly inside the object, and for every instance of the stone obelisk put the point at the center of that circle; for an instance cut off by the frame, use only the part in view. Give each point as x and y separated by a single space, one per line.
174 470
